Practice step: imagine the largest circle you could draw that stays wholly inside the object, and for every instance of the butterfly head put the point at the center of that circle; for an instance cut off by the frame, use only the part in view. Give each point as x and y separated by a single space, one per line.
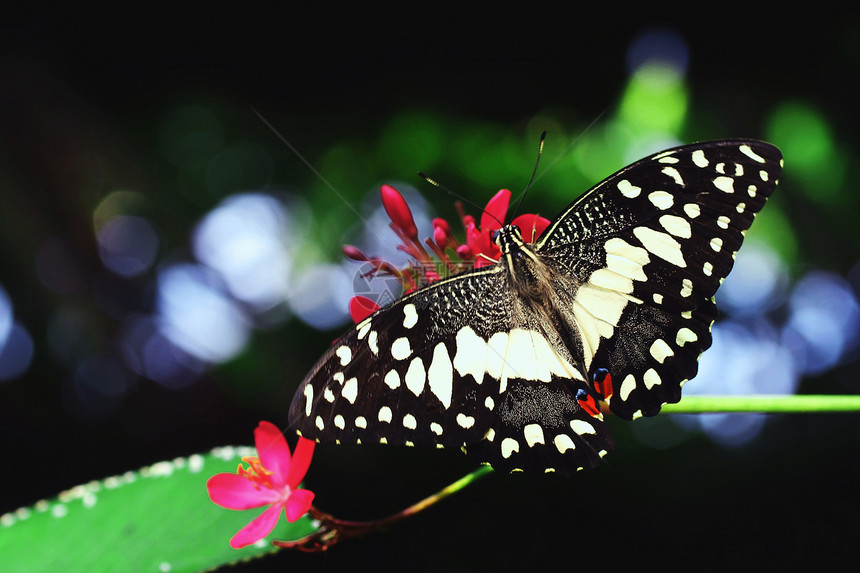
508 238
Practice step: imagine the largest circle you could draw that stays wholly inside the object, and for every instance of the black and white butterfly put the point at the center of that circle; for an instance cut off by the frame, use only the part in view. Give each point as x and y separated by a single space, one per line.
612 305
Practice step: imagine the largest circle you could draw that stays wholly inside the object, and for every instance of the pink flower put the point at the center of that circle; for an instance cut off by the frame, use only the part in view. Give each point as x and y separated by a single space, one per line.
270 479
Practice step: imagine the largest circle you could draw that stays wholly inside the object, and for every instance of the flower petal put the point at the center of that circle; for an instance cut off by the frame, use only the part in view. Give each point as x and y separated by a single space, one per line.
531 226
261 526
494 214
273 451
301 461
236 492
298 504
361 307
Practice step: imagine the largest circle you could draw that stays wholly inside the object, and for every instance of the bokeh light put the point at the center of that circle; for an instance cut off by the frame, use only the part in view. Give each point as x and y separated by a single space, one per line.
823 324
197 315
246 238
16 344
128 245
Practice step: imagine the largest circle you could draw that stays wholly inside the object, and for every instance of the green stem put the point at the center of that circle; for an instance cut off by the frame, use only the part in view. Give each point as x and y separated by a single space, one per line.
333 529
764 404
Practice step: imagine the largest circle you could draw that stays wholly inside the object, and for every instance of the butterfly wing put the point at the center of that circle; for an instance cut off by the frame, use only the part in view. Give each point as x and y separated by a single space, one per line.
454 365
648 248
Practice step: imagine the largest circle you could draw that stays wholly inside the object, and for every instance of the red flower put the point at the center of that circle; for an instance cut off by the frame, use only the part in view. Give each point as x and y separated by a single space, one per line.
271 479
480 239
477 251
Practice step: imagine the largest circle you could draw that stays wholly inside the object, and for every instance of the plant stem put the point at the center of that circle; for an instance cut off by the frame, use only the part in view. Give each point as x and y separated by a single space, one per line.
764 404
333 529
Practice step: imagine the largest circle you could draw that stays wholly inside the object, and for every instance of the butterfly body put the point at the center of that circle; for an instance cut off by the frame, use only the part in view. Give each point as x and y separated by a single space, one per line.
611 305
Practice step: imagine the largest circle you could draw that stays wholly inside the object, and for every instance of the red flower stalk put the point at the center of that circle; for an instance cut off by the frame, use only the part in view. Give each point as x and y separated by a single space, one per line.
270 479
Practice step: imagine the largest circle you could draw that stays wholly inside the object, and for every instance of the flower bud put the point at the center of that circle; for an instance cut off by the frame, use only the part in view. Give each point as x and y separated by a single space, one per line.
397 208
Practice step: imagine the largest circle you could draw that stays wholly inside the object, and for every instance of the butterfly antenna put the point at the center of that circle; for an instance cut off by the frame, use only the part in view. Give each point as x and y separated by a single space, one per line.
534 172
458 196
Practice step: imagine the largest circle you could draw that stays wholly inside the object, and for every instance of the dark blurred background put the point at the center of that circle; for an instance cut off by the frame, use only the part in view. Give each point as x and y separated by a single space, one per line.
175 187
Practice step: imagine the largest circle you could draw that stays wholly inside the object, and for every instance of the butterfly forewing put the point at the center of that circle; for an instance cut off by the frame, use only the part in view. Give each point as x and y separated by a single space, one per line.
651 245
404 375
629 271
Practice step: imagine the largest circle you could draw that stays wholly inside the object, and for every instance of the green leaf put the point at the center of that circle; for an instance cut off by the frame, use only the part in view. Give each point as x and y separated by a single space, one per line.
157 519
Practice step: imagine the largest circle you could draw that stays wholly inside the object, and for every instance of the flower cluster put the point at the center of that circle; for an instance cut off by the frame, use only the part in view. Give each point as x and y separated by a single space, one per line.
271 478
442 255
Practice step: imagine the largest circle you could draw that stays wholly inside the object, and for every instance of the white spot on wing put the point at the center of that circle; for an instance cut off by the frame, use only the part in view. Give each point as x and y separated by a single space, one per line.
363 327
677 226
627 386
350 390
509 446
684 336
692 210
747 150
409 422
661 199
385 414
686 288
345 355
465 421
410 316
441 375
661 245
533 434
582 427
716 244
674 174
660 351
725 184
563 443
415 376
392 379
628 189
651 378
625 259
699 159
401 349
309 400
471 354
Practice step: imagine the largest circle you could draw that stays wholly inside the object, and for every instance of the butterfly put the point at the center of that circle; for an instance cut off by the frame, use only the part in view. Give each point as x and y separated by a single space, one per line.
518 361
